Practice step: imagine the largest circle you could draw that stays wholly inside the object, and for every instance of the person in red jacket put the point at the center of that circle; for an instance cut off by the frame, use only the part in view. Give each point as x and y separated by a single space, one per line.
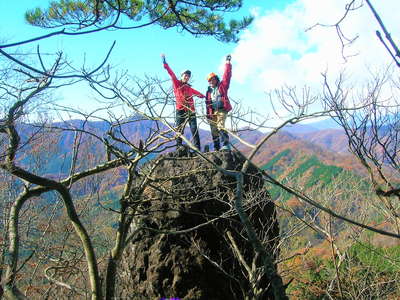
218 105
185 111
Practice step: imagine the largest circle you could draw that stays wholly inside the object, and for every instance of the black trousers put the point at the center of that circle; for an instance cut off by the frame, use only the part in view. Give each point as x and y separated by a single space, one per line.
183 117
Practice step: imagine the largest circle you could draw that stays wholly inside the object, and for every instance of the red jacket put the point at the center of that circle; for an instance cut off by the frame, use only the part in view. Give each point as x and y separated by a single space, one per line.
223 87
183 92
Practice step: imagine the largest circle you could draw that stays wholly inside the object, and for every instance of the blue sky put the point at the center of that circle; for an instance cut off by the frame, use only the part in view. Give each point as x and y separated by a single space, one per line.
138 51
275 51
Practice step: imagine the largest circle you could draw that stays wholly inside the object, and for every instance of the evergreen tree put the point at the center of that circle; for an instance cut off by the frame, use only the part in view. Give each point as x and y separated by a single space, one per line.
205 17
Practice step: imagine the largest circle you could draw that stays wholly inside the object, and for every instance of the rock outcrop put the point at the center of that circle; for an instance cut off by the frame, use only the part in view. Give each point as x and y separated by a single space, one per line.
191 249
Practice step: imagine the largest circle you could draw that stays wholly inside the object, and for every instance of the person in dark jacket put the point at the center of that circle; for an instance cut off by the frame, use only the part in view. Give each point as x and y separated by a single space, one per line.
185 111
218 105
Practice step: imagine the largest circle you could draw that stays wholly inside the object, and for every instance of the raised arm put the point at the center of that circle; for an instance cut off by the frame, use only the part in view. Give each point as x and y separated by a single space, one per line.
226 78
170 72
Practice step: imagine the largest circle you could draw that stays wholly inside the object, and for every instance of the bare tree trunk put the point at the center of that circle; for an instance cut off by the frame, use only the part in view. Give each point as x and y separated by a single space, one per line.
124 223
268 262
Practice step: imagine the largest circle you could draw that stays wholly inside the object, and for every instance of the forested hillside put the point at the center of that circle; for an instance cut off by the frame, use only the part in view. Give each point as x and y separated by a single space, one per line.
321 249
312 168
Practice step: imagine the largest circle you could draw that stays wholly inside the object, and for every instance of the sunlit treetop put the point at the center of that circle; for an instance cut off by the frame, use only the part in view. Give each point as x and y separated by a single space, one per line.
198 17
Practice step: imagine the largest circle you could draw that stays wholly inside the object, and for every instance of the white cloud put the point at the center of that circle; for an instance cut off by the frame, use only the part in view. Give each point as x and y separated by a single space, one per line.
277 50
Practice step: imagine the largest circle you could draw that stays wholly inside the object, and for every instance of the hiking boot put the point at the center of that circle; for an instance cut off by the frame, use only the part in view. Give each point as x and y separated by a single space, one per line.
216 146
181 150
226 148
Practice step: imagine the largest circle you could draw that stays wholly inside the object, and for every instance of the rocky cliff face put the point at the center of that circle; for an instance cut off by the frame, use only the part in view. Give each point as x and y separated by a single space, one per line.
192 249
